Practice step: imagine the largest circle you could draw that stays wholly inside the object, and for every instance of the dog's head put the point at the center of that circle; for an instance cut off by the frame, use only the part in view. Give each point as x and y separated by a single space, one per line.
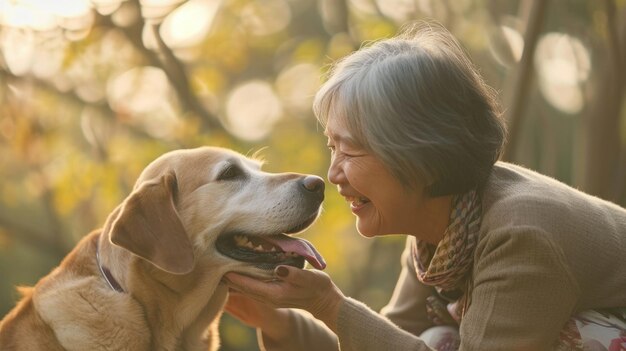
215 207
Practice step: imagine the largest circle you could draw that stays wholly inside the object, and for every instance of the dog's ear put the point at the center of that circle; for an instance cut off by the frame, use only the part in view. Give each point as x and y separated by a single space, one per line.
149 226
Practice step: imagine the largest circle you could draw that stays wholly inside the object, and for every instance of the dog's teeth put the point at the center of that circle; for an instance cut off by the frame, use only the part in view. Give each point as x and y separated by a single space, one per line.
258 248
249 245
240 240
273 249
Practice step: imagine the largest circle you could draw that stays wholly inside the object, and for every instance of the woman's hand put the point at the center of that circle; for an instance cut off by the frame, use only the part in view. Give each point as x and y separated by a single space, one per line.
310 290
274 322
251 312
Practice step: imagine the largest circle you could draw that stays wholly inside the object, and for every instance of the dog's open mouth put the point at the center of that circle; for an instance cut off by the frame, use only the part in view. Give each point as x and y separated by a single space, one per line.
269 251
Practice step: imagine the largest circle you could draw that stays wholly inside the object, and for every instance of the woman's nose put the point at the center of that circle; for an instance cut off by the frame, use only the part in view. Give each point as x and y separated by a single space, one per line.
335 173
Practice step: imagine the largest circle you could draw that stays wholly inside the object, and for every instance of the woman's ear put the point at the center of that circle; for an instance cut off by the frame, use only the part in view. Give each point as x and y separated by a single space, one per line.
149 226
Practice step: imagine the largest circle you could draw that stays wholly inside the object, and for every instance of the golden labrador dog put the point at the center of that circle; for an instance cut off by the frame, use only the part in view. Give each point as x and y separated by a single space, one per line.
150 278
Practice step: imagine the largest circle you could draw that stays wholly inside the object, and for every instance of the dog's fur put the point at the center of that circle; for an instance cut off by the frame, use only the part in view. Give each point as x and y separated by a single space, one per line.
159 244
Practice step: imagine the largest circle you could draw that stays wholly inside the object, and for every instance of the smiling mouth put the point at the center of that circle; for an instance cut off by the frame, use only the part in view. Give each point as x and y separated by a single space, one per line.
357 201
266 251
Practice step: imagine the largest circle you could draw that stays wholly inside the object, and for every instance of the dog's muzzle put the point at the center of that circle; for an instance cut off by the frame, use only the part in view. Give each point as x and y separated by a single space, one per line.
268 250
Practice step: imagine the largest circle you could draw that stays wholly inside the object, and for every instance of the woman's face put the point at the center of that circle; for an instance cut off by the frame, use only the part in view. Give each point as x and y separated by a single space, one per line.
380 202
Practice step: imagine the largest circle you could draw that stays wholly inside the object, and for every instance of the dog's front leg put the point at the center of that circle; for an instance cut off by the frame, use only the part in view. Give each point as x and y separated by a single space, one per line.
203 333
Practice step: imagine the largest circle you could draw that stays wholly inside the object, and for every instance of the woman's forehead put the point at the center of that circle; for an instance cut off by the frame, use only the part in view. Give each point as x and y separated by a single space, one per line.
337 129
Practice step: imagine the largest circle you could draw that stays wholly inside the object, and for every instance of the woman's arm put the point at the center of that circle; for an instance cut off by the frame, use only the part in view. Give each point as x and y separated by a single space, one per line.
281 329
356 325
407 306
523 292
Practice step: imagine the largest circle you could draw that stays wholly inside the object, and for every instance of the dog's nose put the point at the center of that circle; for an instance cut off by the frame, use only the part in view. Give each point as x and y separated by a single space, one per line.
313 184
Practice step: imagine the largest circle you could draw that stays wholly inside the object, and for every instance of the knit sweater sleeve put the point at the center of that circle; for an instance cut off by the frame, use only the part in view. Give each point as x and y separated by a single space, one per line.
523 292
305 334
396 327
360 328
407 306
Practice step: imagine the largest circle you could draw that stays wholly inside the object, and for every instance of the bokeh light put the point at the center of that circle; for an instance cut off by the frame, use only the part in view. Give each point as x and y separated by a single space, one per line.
398 10
506 45
189 24
138 90
296 87
252 109
563 64
265 17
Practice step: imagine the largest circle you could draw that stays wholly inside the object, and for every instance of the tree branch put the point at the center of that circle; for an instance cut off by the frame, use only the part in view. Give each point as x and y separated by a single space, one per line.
617 53
516 97
171 65
602 121
101 107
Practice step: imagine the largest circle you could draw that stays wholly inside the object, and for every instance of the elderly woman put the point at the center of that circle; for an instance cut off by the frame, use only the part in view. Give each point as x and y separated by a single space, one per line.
497 257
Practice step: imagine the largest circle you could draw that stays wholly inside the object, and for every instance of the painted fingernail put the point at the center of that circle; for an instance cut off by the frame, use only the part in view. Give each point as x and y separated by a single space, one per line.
281 271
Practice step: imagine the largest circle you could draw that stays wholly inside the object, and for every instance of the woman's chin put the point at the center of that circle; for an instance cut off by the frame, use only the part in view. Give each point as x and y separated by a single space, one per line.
366 230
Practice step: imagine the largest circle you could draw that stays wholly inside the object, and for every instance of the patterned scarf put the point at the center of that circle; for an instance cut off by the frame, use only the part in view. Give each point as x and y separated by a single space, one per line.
447 265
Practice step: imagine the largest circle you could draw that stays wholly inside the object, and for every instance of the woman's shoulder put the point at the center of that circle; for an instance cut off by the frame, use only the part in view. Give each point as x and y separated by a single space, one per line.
515 180
517 196
531 218
514 194
513 187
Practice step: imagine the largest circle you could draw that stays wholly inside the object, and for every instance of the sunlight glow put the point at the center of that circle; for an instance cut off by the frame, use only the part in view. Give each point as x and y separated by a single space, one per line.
138 90
24 14
44 15
296 87
434 8
156 10
106 7
364 6
563 65
189 24
66 8
252 109
48 59
265 17
506 44
18 47
515 40
143 96
398 10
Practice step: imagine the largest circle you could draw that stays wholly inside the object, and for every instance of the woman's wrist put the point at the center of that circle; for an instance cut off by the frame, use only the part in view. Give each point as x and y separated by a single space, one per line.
327 310
276 325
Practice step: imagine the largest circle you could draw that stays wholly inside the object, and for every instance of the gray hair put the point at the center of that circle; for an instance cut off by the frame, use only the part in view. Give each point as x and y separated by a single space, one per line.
418 103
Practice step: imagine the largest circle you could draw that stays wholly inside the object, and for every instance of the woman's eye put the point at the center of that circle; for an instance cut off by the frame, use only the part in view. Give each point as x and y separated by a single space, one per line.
231 172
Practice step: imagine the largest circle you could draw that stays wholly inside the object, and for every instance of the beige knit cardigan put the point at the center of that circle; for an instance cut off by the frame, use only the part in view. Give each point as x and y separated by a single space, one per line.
546 251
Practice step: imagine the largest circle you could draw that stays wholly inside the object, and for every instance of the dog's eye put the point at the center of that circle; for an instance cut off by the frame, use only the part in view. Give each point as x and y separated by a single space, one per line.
230 172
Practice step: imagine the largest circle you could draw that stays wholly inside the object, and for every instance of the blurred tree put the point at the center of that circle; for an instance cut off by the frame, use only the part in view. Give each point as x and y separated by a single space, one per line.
93 90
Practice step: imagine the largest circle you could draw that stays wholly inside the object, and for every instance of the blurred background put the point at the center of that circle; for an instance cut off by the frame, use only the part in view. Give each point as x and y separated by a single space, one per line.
93 90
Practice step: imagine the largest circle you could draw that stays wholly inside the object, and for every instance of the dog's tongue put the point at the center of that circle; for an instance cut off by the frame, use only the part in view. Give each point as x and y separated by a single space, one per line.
300 247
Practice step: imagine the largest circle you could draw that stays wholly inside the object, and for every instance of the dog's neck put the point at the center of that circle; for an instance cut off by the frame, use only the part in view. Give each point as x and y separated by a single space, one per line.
131 272
106 273
171 302
109 264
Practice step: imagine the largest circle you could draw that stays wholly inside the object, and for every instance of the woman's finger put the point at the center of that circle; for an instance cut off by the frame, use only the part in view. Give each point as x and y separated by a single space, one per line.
294 287
259 290
244 283
301 277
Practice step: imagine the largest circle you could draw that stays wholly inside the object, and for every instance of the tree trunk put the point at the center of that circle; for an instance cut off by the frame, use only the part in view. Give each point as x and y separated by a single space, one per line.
603 163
